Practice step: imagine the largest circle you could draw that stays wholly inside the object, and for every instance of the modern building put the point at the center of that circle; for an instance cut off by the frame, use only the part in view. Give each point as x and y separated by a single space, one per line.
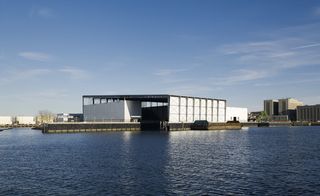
271 107
282 109
158 107
308 113
236 113
72 117
5 120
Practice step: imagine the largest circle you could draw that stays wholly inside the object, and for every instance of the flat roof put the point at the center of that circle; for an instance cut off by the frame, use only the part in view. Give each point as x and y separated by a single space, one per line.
145 97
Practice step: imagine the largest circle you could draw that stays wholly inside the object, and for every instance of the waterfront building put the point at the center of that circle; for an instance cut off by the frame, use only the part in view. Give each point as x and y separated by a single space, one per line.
282 109
158 107
271 107
236 113
24 120
69 117
309 113
5 120
288 107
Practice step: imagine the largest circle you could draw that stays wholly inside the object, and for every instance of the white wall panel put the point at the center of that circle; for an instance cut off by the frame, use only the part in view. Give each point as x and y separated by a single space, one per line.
209 111
190 111
183 110
174 100
209 103
215 118
174 109
196 102
209 114
174 118
215 103
222 104
215 114
190 101
203 111
183 101
190 118
209 118
196 110
183 118
221 115
203 103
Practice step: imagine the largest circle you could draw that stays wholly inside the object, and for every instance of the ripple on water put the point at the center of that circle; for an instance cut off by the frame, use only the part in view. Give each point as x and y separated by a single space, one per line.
257 161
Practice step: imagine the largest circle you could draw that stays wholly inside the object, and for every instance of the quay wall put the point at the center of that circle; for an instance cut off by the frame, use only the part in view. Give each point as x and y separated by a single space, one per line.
77 127
271 124
88 127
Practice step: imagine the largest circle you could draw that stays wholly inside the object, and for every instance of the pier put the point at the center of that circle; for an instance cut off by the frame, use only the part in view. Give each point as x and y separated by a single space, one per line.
11 126
78 127
88 127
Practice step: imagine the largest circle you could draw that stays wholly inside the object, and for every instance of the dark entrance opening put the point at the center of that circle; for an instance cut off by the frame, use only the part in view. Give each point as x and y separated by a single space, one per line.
154 118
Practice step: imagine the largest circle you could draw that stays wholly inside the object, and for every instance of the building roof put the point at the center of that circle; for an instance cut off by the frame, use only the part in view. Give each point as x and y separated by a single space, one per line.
145 97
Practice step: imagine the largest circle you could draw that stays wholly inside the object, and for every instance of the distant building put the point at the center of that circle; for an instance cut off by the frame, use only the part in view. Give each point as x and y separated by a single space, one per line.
253 116
5 120
66 117
24 120
271 107
238 114
282 109
309 113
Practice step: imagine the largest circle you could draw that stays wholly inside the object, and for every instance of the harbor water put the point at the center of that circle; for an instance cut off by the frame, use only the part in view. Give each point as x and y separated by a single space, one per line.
253 161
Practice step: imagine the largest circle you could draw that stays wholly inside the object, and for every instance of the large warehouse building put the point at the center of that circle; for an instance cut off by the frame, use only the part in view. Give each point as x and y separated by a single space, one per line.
163 108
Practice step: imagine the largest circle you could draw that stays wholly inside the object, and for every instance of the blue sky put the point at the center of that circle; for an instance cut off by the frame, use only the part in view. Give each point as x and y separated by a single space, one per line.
53 52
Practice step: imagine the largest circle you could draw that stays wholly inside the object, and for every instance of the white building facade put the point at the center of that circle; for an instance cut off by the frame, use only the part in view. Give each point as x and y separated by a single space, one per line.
190 109
25 120
237 113
5 120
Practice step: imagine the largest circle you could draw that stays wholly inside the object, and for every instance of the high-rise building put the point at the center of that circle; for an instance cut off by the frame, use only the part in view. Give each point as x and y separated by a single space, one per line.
282 109
271 107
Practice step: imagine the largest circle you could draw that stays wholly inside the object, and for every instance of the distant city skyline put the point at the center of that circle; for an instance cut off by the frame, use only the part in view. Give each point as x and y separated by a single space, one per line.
53 52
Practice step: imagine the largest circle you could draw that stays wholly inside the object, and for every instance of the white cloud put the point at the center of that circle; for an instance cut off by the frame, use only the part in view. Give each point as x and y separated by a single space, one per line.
75 73
242 75
266 59
307 46
36 56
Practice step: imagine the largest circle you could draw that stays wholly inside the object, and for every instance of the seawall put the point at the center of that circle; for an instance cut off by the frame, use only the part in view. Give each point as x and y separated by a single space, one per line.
88 127
78 127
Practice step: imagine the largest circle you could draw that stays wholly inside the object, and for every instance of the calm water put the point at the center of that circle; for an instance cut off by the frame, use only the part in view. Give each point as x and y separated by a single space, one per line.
255 161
